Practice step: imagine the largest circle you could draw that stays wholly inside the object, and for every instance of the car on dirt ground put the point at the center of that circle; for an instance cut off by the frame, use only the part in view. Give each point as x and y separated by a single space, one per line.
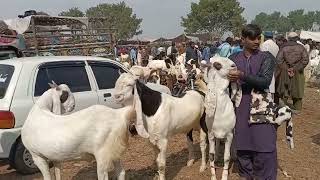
23 80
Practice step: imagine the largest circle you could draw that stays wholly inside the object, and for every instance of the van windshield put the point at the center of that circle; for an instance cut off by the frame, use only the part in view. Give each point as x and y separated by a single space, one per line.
6 72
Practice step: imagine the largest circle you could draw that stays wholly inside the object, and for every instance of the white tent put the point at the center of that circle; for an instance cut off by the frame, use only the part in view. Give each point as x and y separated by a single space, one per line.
315 36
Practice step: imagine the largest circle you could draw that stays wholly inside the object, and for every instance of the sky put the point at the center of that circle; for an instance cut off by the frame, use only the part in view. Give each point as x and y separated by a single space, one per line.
161 18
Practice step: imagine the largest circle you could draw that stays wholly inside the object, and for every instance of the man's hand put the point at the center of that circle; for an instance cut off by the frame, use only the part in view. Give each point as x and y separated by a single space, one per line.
234 75
291 72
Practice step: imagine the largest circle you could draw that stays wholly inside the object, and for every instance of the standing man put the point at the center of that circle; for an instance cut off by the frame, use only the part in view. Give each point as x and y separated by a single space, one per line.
181 58
115 49
256 143
172 49
206 54
190 52
236 47
292 59
270 46
133 56
198 52
153 52
280 40
224 50
308 45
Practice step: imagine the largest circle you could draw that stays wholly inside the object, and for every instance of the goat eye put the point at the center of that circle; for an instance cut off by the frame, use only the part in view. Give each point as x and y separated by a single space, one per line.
233 65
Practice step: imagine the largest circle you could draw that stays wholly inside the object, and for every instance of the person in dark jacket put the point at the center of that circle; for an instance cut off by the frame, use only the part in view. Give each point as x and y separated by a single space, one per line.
191 52
255 144
292 59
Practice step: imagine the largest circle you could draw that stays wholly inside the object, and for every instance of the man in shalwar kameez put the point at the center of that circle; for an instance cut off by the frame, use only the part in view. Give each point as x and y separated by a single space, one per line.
255 144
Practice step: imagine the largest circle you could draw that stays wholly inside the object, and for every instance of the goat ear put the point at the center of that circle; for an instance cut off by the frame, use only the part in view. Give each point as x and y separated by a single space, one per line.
168 65
54 83
51 85
119 72
64 96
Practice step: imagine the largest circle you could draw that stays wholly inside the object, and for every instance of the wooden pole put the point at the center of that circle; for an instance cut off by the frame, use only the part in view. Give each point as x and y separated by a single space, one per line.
34 35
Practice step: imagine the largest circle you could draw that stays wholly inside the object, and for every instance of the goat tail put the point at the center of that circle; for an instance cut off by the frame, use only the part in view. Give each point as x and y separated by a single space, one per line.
289 133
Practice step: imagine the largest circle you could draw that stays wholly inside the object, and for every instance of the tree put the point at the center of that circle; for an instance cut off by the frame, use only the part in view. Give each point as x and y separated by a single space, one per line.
272 22
73 12
214 16
296 20
118 16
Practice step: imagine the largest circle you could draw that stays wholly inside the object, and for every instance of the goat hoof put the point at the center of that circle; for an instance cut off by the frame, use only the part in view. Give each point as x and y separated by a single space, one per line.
213 178
156 177
202 168
190 162
224 178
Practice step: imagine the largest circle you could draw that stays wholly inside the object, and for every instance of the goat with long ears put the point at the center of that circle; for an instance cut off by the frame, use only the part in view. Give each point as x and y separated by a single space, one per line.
220 115
160 116
99 131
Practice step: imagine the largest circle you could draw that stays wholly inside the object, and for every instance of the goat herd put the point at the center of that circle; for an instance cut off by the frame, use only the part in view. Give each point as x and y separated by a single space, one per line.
103 132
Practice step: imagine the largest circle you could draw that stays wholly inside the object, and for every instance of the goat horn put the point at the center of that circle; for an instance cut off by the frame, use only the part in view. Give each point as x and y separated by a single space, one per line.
119 72
54 83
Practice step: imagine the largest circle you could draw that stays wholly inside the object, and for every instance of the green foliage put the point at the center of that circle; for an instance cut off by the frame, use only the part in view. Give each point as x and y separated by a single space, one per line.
73 12
295 20
118 16
214 16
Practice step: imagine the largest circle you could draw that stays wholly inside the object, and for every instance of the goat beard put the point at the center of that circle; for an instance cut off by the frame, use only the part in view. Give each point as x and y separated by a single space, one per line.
139 122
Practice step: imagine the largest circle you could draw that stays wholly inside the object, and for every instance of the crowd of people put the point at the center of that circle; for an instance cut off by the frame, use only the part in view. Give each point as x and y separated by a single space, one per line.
292 54
266 63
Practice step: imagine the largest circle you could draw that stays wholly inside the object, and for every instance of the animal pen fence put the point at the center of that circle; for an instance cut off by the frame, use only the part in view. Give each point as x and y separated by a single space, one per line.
69 36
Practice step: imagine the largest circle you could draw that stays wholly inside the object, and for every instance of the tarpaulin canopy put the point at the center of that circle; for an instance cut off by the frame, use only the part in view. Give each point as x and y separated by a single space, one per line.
21 25
315 36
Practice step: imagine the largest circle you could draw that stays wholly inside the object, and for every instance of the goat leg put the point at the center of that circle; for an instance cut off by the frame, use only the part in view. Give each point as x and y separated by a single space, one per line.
43 166
212 155
102 172
161 159
203 147
121 173
227 147
57 170
191 157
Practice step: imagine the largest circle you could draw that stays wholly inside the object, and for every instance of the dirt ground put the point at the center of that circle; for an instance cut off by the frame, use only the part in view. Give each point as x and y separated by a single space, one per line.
301 163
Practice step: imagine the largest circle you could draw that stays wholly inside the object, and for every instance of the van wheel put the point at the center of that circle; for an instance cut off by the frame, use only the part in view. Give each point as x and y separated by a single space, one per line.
23 161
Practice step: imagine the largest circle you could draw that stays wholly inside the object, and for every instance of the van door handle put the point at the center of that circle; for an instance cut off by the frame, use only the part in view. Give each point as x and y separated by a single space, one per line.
106 95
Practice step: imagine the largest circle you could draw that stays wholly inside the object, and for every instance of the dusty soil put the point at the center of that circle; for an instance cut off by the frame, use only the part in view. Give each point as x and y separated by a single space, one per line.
301 163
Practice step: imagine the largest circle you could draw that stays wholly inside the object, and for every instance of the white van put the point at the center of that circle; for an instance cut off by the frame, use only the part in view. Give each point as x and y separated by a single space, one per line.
22 80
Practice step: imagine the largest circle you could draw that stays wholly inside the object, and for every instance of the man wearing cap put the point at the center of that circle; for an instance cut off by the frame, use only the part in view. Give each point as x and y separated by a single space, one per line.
272 47
292 59
269 44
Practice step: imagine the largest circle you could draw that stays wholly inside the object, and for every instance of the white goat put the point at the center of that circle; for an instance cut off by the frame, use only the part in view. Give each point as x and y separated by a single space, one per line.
220 115
98 130
160 116
142 72
160 64
139 72
127 65
124 57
